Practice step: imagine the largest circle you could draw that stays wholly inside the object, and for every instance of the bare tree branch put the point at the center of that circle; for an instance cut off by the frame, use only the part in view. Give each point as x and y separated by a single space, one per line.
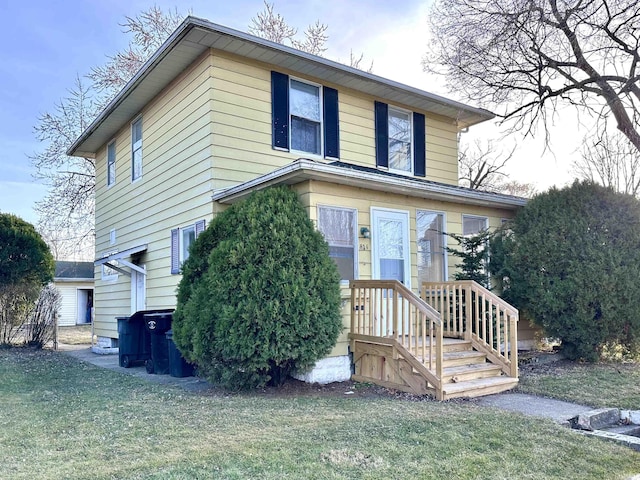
525 59
67 211
612 161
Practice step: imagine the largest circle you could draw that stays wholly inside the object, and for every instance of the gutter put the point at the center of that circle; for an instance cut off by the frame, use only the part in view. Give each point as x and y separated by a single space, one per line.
409 186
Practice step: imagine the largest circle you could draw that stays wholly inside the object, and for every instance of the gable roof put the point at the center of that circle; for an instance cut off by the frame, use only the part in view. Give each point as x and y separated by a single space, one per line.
368 178
195 35
73 271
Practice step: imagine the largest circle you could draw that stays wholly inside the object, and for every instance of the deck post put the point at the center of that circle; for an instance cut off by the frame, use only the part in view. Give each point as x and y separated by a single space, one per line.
513 340
439 361
468 320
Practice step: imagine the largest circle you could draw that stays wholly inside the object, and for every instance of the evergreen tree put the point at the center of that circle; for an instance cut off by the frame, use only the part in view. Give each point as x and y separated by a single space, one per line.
570 261
260 296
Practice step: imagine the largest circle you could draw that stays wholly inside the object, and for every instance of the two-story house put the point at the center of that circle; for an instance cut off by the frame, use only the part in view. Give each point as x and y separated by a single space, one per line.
216 114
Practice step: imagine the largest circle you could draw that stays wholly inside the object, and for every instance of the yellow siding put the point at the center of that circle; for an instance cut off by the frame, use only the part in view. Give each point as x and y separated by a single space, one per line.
210 129
174 191
315 193
242 127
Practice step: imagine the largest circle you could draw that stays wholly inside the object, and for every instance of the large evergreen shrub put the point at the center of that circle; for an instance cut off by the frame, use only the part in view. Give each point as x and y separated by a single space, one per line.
260 296
570 259
26 265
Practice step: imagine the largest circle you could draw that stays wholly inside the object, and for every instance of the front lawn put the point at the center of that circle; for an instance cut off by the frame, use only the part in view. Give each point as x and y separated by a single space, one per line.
65 419
615 385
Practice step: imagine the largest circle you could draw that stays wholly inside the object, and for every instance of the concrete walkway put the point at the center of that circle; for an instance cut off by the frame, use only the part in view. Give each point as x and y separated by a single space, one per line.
530 405
111 362
534 406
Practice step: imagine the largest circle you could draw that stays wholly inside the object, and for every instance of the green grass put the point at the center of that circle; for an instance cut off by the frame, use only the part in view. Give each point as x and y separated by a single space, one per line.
612 385
64 419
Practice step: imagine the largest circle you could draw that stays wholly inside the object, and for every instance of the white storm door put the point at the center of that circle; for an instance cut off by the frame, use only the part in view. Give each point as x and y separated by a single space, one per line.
138 291
390 245
391 261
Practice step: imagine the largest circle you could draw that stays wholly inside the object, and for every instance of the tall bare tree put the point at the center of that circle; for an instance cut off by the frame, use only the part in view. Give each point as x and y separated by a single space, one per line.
527 58
272 26
481 165
149 30
66 214
612 161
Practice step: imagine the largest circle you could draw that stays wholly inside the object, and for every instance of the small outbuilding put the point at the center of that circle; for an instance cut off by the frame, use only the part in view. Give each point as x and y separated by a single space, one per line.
74 280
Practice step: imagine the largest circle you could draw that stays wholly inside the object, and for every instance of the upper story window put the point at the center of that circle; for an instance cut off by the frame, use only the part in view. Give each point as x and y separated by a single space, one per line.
338 225
136 149
304 117
111 163
400 140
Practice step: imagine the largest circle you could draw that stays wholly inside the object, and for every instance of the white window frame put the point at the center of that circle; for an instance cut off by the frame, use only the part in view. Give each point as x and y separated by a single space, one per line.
108 274
320 104
355 235
111 180
135 147
445 273
486 228
477 217
411 146
181 232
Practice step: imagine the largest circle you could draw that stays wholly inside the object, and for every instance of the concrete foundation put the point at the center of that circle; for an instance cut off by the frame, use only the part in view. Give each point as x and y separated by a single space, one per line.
328 370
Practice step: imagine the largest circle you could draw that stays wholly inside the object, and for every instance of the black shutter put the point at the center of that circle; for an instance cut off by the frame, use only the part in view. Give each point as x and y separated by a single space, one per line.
175 251
419 147
382 134
331 125
280 110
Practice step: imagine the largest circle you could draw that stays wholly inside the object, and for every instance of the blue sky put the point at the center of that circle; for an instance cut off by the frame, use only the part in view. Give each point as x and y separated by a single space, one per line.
46 44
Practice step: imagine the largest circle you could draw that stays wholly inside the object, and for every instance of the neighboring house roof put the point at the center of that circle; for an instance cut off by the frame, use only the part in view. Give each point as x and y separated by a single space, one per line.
369 178
195 35
73 271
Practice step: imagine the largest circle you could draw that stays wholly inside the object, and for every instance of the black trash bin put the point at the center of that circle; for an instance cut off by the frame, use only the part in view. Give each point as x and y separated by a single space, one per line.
134 342
157 324
178 366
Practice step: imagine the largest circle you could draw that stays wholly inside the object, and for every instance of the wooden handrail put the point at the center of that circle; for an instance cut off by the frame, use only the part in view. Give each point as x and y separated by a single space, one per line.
388 309
472 312
488 294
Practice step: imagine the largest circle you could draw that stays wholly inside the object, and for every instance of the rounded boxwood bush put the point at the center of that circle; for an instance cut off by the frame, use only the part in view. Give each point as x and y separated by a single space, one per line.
260 296
570 260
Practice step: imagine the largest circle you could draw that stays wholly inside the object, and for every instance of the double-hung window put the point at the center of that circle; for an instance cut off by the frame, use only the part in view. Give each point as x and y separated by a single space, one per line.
304 116
136 149
400 140
181 240
400 157
338 225
431 246
111 163
473 225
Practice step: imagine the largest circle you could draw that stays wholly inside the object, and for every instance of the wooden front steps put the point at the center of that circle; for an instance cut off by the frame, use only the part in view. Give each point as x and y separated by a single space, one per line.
466 372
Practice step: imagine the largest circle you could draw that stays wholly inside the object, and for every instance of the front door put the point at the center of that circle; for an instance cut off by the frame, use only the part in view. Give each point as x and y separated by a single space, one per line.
390 245
391 261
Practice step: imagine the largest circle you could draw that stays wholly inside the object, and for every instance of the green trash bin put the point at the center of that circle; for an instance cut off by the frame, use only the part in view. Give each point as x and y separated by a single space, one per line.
178 366
134 342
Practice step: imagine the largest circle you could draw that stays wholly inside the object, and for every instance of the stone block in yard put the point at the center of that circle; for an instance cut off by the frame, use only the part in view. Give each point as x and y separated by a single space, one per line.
596 419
